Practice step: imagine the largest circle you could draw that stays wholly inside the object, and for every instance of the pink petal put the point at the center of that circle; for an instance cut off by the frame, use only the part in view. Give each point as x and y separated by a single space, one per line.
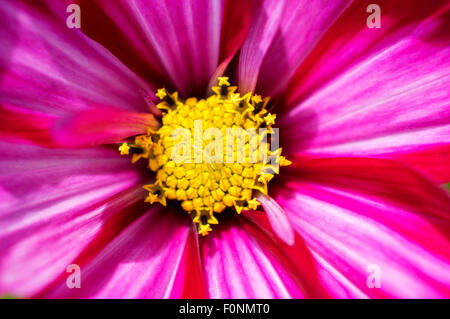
53 204
50 68
24 126
190 272
141 262
349 41
432 161
387 180
303 25
296 259
263 29
353 221
185 36
117 29
277 218
102 125
394 101
235 25
236 265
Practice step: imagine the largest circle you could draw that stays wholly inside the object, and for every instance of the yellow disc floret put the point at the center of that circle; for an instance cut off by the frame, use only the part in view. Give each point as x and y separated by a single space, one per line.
210 154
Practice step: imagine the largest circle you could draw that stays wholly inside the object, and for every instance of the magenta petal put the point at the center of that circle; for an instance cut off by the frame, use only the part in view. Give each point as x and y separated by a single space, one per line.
24 126
354 221
112 25
190 271
296 259
385 180
185 36
237 266
349 41
38 250
432 161
50 68
141 262
277 218
393 101
101 125
53 203
263 29
303 24
235 24
34 178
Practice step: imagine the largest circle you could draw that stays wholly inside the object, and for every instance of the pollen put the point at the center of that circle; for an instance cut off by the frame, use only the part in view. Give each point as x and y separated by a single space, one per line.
209 154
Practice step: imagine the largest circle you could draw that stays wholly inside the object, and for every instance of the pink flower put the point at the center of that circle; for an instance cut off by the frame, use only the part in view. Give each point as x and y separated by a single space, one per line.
364 115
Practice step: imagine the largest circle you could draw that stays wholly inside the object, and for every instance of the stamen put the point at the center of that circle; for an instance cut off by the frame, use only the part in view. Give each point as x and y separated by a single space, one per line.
136 150
219 180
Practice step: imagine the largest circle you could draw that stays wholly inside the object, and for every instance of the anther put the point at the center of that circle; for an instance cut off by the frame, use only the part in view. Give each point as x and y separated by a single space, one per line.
205 189
224 91
258 107
169 100
135 150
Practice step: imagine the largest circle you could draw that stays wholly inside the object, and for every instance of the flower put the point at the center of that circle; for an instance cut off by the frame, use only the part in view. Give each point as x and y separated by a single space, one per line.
227 165
363 116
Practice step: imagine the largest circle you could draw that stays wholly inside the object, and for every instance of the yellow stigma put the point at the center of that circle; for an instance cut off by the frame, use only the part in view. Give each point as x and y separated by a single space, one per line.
124 149
209 154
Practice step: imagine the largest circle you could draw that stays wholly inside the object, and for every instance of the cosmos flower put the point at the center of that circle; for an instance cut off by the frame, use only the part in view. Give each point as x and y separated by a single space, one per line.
364 122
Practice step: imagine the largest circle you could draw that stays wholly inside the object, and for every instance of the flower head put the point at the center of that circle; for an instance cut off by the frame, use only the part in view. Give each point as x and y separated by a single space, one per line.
207 180
348 205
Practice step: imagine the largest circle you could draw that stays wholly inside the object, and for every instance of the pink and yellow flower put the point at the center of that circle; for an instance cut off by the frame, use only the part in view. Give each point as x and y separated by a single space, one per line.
363 115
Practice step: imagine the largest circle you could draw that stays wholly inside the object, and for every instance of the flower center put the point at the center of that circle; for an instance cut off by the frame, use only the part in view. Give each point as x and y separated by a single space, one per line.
210 154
